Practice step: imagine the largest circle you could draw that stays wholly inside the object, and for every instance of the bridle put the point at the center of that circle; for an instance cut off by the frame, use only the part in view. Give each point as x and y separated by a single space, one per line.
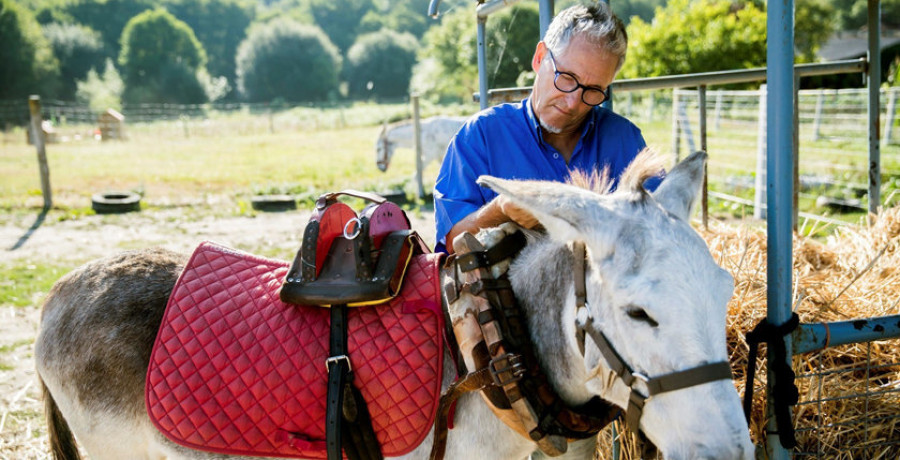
655 385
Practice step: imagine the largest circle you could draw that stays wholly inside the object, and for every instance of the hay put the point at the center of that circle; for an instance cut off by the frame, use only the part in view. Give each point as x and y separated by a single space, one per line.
847 410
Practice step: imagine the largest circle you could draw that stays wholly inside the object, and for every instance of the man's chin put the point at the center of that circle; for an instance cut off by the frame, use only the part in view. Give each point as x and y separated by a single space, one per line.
550 129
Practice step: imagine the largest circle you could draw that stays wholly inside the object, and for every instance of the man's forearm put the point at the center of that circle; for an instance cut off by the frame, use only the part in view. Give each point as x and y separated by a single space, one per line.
489 215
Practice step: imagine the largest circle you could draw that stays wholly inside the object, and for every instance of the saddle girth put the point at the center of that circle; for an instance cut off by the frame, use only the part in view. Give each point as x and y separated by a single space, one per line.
499 348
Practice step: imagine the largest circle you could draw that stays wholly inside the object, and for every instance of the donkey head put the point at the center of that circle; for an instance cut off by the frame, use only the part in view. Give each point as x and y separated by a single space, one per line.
384 149
657 298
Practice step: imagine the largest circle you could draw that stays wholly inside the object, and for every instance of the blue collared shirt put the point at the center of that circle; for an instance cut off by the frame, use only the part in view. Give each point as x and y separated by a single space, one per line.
506 141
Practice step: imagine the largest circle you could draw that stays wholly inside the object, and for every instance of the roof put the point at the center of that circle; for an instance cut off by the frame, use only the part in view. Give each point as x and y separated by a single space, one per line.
854 44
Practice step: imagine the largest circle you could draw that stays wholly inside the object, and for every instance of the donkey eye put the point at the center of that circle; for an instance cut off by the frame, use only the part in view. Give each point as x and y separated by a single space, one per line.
639 314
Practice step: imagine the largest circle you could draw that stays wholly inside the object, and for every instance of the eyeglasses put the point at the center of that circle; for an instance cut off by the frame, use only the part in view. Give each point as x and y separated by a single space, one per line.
567 83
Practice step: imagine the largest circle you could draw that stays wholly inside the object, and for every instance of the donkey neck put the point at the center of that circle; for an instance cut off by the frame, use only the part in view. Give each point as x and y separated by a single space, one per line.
401 134
542 280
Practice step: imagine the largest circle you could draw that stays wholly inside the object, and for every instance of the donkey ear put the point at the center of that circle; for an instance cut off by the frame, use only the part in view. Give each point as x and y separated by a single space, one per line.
678 191
562 209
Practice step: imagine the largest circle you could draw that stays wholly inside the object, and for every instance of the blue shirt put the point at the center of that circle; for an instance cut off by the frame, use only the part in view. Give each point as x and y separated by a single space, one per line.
506 141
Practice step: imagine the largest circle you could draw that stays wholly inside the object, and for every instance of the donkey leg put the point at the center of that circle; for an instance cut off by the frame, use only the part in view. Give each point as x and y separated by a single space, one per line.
97 330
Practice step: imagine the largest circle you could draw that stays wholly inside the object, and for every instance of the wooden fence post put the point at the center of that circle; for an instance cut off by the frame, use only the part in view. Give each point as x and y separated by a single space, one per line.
417 136
37 137
889 116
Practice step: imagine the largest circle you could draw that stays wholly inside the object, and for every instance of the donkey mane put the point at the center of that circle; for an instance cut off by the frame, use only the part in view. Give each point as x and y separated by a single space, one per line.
647 164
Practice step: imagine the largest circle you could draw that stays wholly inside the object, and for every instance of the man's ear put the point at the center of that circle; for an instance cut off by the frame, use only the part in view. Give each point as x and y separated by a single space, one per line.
539 52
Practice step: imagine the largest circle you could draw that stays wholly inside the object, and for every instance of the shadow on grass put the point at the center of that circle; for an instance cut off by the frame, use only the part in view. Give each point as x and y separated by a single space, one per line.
24 238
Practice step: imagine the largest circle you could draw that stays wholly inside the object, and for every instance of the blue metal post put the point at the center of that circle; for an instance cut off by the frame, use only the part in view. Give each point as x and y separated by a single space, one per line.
874 83
779 183
482 64
817 336
545 15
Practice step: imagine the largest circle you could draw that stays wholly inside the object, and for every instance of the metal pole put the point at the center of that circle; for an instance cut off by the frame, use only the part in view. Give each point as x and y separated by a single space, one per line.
779 147
676 132
37 137
817 336
482 64
701 95
417 135
545 15
759 195
889 116
874 84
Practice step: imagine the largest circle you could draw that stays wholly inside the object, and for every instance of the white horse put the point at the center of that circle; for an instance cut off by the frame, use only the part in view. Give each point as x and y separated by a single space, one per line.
653 293
436 134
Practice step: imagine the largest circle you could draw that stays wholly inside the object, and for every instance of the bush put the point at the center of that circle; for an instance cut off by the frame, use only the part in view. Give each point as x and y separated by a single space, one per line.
380 64
288 60
27 64
160 60
78 49
101 92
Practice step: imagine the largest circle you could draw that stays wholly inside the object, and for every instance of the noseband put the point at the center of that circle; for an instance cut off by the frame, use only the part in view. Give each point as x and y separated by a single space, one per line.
655 385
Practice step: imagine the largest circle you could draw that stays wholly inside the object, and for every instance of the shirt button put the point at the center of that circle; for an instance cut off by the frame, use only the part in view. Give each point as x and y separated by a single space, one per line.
555 156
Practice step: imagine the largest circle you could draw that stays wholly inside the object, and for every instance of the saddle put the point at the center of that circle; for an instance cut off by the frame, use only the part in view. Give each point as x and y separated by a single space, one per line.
243 359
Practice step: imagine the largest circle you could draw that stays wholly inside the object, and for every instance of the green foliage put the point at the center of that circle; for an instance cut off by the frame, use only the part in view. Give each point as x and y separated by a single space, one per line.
101 92
27 64
380 64
408 16
448 68
108 17
160 59
340 19
813 25
853 14
220 25
698 36
644 9
288 60
78 49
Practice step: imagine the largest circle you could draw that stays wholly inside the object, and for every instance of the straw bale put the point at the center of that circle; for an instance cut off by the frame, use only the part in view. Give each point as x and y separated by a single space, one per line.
853 274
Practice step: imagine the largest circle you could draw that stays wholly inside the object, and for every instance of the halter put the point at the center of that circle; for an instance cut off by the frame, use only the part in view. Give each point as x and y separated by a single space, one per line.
655 385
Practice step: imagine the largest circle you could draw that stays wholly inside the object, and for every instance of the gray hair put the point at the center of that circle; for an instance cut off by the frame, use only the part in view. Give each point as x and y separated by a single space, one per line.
596 23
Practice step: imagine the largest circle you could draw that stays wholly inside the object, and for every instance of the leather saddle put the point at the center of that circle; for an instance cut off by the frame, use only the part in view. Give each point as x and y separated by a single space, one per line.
352 259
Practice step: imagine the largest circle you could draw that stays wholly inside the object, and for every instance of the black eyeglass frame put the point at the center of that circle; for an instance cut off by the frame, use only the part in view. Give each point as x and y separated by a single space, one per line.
584 88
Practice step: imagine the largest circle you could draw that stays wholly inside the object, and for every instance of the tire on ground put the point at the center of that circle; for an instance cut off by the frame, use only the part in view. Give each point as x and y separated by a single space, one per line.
273 203
115 202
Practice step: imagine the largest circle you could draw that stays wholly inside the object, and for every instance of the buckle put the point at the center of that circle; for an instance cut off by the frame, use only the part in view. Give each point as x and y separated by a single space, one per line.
507 364
334 359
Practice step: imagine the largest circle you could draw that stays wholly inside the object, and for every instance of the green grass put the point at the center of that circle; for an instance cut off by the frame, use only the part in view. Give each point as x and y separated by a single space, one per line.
25 283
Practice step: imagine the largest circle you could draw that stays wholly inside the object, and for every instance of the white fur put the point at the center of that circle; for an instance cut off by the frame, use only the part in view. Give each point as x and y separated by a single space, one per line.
436 135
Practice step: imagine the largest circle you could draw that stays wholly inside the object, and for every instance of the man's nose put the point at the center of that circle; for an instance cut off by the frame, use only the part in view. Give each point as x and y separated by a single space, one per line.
573 99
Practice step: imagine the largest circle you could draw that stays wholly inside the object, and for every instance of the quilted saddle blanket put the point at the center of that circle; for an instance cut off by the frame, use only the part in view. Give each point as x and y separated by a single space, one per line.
236 371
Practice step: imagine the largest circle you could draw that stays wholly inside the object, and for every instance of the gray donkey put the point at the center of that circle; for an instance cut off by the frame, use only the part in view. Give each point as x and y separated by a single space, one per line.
653 294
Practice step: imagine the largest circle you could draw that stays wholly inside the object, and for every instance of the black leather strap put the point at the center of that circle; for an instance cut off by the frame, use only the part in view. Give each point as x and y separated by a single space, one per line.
509 246
338 367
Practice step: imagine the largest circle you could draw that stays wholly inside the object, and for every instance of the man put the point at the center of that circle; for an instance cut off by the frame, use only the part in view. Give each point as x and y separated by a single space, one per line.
558 128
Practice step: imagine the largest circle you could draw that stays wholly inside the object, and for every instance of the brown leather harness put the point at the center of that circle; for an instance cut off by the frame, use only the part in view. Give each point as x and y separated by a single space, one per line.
507 371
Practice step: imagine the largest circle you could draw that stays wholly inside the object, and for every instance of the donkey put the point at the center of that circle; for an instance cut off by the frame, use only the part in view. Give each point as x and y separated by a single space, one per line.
649 290
436 134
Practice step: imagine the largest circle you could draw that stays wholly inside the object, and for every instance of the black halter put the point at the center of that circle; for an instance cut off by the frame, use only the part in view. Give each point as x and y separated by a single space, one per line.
655 385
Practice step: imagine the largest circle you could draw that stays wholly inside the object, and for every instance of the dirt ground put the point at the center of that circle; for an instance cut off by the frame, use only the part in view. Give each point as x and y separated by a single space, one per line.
28 239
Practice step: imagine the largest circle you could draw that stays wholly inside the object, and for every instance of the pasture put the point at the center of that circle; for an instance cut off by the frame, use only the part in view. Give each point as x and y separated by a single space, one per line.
197 175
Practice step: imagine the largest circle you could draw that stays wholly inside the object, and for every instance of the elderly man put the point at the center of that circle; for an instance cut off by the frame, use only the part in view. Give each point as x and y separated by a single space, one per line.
560 127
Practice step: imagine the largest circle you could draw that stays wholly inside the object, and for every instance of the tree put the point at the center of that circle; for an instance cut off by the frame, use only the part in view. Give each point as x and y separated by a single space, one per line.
27 64
399 16
288 60
160 59
853 14
340 19
220 26
101 92
108 17
380 64
78 49
448 68
698 36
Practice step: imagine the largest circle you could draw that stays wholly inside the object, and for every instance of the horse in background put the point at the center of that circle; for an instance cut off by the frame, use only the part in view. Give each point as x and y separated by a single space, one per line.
436 134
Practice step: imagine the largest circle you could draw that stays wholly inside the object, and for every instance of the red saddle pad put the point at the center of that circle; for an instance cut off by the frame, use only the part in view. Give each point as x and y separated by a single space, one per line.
236 371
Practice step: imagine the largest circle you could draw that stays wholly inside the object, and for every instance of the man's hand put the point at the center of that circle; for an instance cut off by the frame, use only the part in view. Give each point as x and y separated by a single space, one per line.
498 211
514 213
